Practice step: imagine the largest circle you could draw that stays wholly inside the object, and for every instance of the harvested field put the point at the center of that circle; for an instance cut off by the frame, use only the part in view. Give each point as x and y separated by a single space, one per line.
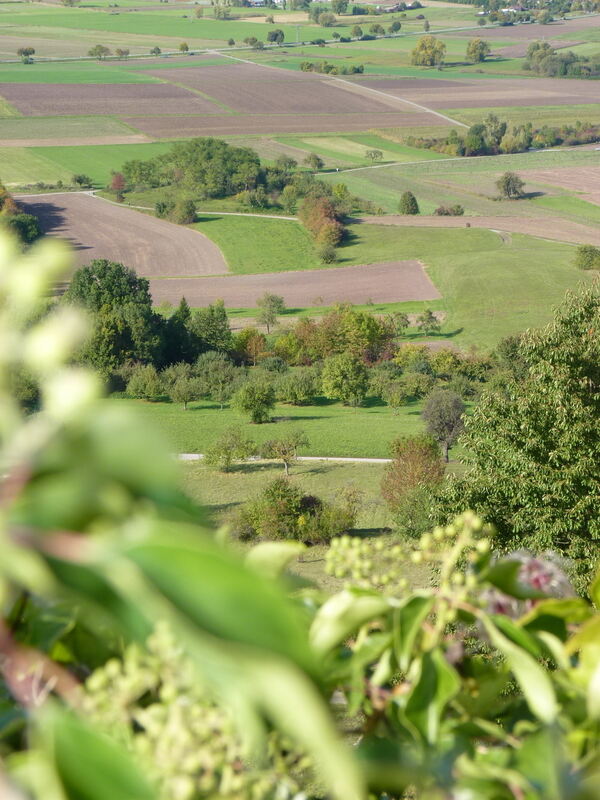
231 125
98 229
36 99
390 281
489 93
555 228
583 180
254 89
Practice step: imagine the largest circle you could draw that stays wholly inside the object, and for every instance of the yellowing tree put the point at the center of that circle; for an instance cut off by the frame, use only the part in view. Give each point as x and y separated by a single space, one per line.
429 52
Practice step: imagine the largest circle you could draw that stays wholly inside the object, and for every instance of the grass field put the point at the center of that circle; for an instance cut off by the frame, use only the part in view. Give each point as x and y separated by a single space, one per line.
61 127
97 161
332 429
73 72
521 115
20 165
570 206
261 245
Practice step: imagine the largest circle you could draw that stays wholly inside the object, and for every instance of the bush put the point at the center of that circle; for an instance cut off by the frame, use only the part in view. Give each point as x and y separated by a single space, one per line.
282 512
587 257
408 204
298 388
327 254
145 382
449 211
184 212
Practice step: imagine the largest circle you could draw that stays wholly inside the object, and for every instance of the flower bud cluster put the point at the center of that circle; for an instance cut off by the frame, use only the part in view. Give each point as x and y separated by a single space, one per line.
377 564
153 702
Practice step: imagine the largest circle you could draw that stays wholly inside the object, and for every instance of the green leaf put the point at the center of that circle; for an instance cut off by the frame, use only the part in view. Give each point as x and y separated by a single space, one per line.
532 678
342 615
593 694
504 575
435 686
595 589
90 765
516 634
571 609
215 591
589 633
272 558
408 621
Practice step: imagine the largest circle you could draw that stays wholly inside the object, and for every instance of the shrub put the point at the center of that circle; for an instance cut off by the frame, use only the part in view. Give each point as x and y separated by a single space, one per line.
184 212
587 257
408 204
449 211
282 512
327 254
299 388
145 382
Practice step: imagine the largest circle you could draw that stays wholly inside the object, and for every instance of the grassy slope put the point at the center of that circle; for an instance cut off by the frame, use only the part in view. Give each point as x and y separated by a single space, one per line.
61 127
73 72
19 165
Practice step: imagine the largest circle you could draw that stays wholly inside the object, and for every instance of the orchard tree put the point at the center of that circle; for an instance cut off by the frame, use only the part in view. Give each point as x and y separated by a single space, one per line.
99 51
395 26
374 155
219 376
510 185
211 326
285 449
107 283
345 378
408 204
231 446
443 415
121 52
429 52
184 47
156 51
256 398
356 32
117 185
377 29
426 26
477 50
339 6
313 161
326 20
427 322
269 307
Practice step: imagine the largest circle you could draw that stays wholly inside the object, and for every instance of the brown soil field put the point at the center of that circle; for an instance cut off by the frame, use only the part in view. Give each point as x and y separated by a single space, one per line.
231 125
534 31
74 141
489 93
99 229
555 228
253 89
584 180
390 281
42 99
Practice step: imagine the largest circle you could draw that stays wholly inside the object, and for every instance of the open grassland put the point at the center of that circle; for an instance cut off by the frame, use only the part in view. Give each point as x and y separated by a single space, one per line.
20 165
332 429
73 72
96 161
571 207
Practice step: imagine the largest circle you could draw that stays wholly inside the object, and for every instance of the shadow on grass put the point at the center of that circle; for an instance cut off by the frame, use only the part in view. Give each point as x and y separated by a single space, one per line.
418 337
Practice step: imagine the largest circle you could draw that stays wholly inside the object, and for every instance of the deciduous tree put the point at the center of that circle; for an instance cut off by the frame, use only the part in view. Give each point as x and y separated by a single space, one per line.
443 415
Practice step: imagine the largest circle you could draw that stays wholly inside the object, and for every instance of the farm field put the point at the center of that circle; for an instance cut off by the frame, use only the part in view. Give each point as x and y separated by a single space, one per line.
98 229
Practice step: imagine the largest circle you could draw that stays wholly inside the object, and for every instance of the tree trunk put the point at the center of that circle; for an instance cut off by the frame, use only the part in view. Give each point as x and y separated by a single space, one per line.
286 467
446 451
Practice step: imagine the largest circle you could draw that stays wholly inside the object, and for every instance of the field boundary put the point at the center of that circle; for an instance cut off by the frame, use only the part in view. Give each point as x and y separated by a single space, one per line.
341 459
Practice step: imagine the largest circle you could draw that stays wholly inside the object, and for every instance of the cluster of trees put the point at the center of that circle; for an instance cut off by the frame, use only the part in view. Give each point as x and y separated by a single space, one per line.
26 54
322 215
25 227
543 59
493 136
332 69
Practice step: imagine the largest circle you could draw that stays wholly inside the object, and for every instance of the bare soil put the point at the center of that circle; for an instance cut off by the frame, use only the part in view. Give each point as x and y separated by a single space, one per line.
253 89
231 125
36 99
490 92
554 228
150 246
584 180
390 281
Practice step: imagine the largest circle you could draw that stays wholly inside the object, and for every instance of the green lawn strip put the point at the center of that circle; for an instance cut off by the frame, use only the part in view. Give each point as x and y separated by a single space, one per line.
7 110
570 206
98 161
73 72
21 165
352 148
261 245
410 307
61 127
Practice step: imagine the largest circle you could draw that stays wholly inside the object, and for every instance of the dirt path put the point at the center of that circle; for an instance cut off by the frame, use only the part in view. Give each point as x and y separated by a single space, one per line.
343 459
390 281
152 247
555 228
